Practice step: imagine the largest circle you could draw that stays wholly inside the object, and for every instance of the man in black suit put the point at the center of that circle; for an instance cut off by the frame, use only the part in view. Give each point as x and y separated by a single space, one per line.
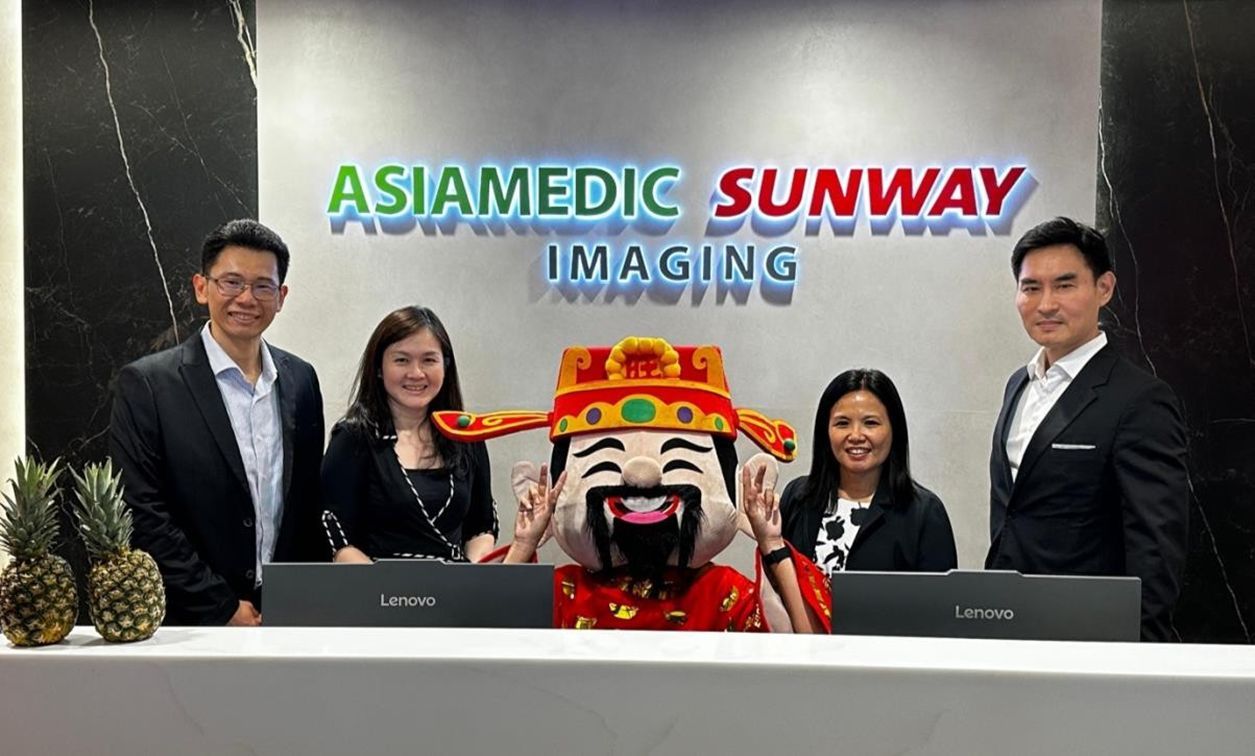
220 440
1087 473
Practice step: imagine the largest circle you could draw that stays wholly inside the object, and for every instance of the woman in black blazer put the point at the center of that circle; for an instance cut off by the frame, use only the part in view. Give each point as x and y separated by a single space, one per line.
859 508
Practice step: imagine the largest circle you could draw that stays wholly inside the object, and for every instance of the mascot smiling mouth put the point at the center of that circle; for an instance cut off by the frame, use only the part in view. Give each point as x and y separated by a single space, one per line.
643 510
646 525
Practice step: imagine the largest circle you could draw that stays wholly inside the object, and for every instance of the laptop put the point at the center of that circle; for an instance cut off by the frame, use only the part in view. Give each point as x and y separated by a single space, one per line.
408 593
987 604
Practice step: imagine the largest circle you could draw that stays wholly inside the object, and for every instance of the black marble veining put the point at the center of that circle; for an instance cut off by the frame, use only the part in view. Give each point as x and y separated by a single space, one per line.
1175 176
140 135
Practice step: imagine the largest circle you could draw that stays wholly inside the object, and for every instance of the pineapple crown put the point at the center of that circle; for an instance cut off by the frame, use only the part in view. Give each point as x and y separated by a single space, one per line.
103 519
28 525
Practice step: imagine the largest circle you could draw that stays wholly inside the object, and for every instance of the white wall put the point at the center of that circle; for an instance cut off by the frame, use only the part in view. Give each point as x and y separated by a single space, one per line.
704 86
12 351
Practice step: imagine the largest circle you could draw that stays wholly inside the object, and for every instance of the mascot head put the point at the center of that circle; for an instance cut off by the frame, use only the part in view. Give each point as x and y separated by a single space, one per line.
645 432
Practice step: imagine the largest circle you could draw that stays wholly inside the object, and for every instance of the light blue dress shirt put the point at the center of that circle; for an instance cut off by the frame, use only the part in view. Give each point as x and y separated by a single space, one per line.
255 419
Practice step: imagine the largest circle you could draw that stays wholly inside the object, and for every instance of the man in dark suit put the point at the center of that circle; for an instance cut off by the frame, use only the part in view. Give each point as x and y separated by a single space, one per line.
1087 473
220 440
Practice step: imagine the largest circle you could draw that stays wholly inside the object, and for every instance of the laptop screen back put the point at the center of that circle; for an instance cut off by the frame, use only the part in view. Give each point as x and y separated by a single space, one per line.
408 593
987 604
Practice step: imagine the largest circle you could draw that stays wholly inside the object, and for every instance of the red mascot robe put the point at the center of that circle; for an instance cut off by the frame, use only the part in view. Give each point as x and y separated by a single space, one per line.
712 597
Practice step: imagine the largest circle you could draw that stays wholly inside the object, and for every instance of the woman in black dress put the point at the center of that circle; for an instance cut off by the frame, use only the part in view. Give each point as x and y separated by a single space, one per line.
393 486
859 508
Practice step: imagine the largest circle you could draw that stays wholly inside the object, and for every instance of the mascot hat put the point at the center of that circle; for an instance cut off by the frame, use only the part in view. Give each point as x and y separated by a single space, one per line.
640 383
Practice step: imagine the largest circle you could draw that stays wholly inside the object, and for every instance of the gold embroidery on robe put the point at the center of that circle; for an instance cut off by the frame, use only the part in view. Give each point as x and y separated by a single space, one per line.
585 623
623 611
677 617
641 588
754 621
730 600
819 596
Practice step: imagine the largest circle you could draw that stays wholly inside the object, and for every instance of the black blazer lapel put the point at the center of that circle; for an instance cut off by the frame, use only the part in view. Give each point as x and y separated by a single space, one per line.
201 383
1015 387
810 519
286 386
875 515
1075 399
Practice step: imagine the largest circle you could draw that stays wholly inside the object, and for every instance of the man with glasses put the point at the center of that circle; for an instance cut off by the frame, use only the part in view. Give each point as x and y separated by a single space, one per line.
220 440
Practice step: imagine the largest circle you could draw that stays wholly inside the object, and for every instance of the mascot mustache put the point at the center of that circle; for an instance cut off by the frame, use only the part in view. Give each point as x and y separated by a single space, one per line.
645 547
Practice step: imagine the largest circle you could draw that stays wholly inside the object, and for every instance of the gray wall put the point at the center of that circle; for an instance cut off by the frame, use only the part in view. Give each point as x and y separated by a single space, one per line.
704 86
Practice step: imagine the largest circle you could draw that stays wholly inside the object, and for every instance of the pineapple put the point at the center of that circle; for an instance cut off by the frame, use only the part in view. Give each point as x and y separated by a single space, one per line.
124 589
38 603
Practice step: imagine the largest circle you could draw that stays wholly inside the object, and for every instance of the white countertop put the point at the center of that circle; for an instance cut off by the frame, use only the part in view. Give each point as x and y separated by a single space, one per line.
376 690
750 650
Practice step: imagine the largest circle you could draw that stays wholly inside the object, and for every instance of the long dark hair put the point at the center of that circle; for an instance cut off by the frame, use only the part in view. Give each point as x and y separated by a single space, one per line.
369 412
825 474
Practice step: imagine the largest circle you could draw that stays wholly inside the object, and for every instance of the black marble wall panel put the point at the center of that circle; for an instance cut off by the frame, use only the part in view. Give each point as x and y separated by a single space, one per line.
1175 179
140 135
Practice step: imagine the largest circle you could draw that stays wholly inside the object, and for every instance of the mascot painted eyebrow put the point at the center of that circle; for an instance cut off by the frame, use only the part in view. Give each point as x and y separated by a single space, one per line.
644 495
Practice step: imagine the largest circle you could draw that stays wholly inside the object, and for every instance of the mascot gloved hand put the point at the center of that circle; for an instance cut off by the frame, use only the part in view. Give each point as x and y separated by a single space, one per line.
640 492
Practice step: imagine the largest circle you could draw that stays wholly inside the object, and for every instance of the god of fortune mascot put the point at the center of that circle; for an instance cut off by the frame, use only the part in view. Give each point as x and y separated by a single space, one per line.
644 474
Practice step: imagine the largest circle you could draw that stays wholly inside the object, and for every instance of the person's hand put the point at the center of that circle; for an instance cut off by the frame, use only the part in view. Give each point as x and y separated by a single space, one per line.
758 501
245 616
536 502
351 555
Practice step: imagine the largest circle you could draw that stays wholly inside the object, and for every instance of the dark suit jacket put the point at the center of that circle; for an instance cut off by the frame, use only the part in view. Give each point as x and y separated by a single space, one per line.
1102 488
912 536
171 436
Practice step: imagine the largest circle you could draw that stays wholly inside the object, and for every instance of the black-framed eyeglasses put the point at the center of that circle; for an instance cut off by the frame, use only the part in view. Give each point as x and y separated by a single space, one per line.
231 286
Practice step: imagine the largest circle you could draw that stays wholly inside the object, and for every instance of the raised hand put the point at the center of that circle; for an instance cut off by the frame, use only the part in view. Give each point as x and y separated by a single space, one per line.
758 501
536 500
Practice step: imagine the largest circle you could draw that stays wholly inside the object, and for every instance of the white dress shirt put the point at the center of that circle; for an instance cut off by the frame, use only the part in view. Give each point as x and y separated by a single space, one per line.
254 413
1044 388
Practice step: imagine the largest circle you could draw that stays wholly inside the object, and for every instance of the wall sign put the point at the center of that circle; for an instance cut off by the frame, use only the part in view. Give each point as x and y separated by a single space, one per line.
610 220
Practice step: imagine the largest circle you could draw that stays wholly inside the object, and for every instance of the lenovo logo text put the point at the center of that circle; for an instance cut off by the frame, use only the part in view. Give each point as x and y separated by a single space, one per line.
419 601
983 613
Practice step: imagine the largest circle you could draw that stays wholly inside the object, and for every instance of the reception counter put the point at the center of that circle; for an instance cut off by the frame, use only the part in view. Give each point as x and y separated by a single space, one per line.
363 691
